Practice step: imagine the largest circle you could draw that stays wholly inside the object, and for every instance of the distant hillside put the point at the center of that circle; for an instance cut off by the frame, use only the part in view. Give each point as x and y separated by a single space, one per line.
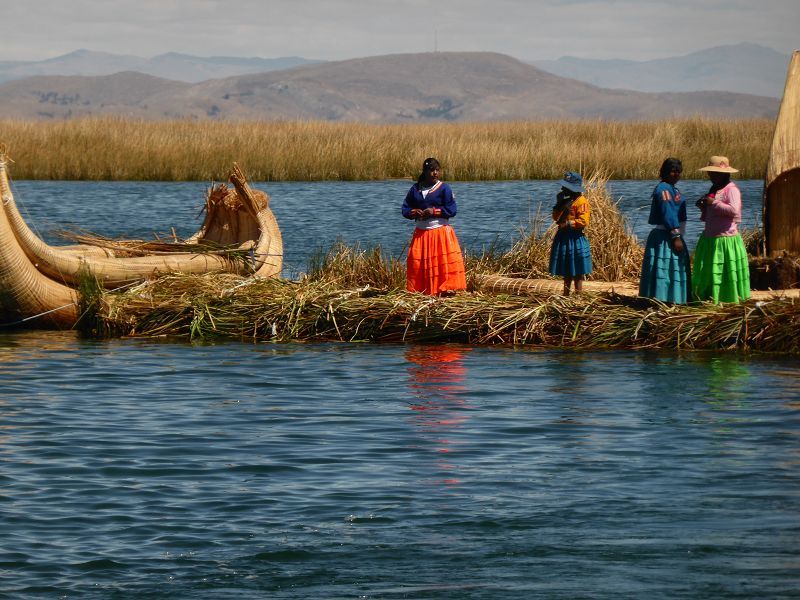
464 86
743 68
180 67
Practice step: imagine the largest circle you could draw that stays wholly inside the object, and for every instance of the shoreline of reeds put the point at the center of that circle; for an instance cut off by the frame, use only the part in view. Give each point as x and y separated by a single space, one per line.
115 148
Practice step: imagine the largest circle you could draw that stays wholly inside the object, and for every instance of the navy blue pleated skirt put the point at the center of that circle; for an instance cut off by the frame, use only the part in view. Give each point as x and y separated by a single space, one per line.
570 255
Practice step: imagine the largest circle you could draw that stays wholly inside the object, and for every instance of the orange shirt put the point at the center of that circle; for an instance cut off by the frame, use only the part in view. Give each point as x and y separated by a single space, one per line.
578 213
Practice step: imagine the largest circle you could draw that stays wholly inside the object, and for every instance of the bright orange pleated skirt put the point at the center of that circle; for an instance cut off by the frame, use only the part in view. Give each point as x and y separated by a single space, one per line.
434 263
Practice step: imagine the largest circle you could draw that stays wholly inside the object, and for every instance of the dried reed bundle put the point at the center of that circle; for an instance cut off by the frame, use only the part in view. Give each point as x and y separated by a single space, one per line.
255 309
122 248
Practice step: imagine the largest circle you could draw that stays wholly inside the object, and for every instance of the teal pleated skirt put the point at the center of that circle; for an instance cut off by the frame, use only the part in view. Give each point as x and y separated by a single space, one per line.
666 275
721 269
570 254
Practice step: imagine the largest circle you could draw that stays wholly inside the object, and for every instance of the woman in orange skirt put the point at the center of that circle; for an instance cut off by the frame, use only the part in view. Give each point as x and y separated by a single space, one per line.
435 265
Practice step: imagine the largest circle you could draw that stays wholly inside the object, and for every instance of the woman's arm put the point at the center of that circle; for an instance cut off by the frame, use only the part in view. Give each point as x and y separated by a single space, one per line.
668 209
408 209
581 214
448 208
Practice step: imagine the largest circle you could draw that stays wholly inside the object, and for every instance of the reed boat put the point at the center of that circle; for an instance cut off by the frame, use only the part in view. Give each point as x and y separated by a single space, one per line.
782 181
38 281
778 264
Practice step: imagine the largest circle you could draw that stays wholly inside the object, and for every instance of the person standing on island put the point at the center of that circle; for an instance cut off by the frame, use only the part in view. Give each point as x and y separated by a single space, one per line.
434 265
666 269
570 255
721 267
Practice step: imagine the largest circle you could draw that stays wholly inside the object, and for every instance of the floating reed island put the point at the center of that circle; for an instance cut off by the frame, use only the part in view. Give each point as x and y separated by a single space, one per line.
350 294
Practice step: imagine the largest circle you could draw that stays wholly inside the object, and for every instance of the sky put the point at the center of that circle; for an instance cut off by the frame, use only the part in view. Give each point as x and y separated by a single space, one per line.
342 29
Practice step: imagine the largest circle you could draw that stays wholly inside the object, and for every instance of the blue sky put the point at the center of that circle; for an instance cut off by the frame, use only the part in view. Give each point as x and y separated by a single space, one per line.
340 29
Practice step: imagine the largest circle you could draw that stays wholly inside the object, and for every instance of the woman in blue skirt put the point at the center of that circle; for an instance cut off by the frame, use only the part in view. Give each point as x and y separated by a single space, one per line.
570 255
666 272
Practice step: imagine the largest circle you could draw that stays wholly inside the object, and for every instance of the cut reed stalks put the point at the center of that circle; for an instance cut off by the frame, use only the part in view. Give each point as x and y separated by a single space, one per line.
112 148
223 306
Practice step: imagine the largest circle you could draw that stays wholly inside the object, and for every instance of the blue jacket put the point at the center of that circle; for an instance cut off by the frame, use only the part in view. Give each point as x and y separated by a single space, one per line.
441 198
668 208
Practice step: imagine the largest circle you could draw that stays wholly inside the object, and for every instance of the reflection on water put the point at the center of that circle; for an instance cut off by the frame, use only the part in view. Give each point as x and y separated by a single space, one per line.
567 379
728 381
31 346
437 385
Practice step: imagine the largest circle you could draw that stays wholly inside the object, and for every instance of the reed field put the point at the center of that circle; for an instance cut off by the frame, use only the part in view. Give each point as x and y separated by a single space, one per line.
112 148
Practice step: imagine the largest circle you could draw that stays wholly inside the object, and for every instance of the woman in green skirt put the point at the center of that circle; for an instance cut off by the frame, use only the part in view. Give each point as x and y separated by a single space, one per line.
720 272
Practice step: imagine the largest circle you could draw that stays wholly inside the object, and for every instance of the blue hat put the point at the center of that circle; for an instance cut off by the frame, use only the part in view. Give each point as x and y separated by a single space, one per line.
573 182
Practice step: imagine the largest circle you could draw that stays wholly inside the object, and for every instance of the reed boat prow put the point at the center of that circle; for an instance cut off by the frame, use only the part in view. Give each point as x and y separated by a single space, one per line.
782 181
28 297
239 235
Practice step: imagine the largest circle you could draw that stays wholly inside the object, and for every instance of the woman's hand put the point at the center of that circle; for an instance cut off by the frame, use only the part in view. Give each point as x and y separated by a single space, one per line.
428 213
416 213
704 201
677 244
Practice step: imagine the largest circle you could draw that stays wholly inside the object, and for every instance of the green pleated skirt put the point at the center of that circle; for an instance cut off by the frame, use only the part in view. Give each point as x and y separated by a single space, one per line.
721 272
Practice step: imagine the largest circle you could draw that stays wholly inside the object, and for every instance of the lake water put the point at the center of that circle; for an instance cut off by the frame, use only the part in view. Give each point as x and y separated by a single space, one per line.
313 215
134 468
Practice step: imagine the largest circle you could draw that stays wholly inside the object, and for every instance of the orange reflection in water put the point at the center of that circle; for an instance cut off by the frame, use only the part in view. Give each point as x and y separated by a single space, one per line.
436 381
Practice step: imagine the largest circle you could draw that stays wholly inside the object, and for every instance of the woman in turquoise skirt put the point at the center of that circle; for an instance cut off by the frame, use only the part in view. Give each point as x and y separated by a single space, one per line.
721 268
570 254
666 268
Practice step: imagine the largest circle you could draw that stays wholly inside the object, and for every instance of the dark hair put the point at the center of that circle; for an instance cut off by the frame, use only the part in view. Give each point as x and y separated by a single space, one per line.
429 165
669 165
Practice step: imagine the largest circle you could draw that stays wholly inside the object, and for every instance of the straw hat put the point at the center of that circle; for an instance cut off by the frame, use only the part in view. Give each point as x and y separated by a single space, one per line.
719 164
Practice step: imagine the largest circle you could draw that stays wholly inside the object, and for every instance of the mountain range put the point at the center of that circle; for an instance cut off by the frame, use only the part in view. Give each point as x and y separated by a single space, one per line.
745 68
180 67
439 86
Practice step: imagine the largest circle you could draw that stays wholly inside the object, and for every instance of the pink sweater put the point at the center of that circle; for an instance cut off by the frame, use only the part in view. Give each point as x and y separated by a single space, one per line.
722 216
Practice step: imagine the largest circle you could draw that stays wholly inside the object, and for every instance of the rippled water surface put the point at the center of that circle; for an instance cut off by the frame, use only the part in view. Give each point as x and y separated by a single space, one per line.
152 469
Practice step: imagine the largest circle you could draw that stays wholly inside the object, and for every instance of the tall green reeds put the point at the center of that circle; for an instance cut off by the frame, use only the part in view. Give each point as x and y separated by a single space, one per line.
123 149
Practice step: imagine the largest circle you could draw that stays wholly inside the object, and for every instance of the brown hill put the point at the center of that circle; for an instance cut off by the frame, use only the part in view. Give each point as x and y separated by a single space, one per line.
59 97
463 86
